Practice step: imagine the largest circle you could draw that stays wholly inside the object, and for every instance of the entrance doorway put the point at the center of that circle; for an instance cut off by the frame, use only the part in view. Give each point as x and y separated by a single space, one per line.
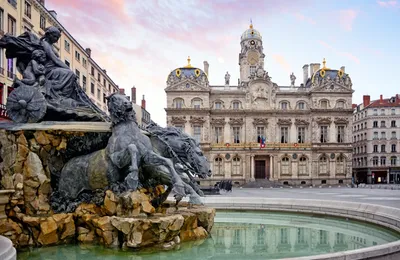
262 169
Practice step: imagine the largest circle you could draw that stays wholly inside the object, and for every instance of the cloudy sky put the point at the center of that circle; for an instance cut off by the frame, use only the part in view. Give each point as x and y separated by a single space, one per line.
139 42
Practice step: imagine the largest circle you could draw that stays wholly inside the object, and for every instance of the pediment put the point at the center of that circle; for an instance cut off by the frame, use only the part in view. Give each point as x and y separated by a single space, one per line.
197 120
260 121
299 121
341 120
218 121
178 120
324 120
284 121
331 86
186 85
236 121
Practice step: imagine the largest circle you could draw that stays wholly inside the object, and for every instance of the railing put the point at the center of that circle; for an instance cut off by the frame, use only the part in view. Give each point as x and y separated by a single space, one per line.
3 112
258 145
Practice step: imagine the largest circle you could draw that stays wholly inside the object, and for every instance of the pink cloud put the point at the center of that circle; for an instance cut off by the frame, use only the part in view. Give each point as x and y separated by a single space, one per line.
346 18
388 4
342 53
301 17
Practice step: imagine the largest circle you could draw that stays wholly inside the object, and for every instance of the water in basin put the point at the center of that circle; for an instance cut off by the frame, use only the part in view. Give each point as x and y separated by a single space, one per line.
246 235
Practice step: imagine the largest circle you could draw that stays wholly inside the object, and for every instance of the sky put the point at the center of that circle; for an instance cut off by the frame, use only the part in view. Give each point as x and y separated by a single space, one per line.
139 42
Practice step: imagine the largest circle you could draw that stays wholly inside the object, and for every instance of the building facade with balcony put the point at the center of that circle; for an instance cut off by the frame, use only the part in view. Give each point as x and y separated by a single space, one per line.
297 134
376 140
18 16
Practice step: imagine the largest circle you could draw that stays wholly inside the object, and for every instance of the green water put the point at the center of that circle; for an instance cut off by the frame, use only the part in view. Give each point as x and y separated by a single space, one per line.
245 235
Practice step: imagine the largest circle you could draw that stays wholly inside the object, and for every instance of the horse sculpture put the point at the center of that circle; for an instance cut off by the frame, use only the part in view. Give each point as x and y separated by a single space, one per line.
132 159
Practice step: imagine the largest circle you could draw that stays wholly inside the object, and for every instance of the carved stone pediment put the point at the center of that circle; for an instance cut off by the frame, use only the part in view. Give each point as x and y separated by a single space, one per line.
284 121
260 121
341 120
324 120
218 121
187 85
197 120
178 120
236 121
299 121
336 84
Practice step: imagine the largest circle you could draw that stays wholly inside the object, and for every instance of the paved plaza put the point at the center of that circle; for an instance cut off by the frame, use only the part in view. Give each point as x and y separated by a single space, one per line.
390 198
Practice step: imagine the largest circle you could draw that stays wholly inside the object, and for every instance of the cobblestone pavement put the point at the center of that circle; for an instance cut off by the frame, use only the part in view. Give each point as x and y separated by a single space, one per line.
390 198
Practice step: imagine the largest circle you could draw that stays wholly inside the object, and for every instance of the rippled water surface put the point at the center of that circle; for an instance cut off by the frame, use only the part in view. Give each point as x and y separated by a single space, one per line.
246 235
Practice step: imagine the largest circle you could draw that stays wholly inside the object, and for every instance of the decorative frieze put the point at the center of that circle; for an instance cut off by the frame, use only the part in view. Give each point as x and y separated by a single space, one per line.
284 121
299 121
194 120
260 121
341 120
218 121
324 120
236 121
176 120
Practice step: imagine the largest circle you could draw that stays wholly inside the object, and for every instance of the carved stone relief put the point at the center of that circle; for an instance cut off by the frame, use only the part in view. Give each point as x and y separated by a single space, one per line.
299 121
260 121
218 121
197 120
178 120
324 120
236 121
341 120
284 121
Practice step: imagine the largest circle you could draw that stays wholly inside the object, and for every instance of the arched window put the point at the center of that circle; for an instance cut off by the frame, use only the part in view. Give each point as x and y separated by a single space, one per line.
235 105
218 169
178 103
323 165
303 166
236 166
340 165
196 103
301 105
218 105
284 105
340 104
285 165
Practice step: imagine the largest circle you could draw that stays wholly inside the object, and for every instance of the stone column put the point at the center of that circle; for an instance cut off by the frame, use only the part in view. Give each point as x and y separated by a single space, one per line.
252 167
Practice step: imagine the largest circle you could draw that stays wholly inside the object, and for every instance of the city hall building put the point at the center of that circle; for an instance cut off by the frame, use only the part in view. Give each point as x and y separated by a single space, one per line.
255 129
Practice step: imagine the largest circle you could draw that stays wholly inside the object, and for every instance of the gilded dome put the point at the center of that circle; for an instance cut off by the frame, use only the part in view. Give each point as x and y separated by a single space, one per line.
325 72
251 33
187 72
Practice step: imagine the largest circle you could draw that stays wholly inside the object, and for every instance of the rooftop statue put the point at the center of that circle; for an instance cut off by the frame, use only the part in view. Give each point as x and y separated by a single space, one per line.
133 160
49 89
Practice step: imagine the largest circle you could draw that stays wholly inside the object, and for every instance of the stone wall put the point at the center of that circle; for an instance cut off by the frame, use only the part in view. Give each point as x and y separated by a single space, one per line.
30 162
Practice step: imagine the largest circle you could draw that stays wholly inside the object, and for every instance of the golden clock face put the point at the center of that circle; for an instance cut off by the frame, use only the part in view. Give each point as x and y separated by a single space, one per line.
252 57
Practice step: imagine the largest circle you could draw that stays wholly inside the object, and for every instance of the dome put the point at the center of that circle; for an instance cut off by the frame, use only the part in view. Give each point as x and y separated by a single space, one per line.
328 73
251 33
188 72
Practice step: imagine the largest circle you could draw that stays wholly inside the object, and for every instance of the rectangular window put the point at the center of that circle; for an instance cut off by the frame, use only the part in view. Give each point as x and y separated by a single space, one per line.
1 20
393 123
393 160
393 111
236 134
10 68
393 148
84 62
178 103
383 135
340 136
383 160
260 133
98 93
324 134
375 161
382 111
12 25
218 105
235 105
197 133
383 148
324 104
196 104
77 56
284 134
383 124
394 135
375 135
375 112
1 62
13 3
218 131
301 135
104 82
109 89
27 10
66 45
84 83
78 76
301 105
375 148
92 71
284 105
375 124
92 88
67 63
98 76
42 22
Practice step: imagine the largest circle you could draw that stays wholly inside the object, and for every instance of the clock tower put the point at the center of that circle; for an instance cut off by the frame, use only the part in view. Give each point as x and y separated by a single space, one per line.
251 56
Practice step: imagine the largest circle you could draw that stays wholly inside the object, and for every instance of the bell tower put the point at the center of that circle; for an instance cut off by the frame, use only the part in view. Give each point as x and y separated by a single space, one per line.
251 56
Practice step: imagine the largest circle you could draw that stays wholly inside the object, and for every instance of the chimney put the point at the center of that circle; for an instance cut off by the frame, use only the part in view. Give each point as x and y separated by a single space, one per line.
53 13
342 69
366 100
88 51
133 94
354 106
105 72
305 74
317 66
143 103
206 65
381 99
122 91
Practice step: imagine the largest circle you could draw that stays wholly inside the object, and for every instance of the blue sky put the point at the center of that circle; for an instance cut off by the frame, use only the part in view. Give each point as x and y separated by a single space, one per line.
140 42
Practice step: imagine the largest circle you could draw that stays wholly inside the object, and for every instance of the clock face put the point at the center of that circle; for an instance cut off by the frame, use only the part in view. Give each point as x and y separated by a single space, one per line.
252 42
252 57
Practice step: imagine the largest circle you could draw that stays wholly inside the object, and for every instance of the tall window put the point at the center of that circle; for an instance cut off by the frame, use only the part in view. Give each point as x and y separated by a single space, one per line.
340 134
284 105
393 111
236 134
1 61
178 103
303 165
340 104
218 134
84 63
260 133
340 165
78 76
324 104
77 56
323 165
98 93
1 20
375 135
324 134
196 103
393 123
301 105
67 63
98 76
285 165
84 83
393 148
383 124
375 124
27 10
301 239
383 160
10 68
236 166
104 82
218 105
394 135
284 236
235 105
12 25
42 22
393 161
253 70
197 133
383 135
375 148
375 160
375 112
218 170
92 71
301 135
92 88
382 111
383 148
284 134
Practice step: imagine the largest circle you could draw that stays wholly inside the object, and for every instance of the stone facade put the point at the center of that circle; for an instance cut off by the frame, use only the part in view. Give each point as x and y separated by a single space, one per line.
306 128
376 138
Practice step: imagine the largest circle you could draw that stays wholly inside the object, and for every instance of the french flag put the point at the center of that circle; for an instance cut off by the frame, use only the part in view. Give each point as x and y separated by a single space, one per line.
262 142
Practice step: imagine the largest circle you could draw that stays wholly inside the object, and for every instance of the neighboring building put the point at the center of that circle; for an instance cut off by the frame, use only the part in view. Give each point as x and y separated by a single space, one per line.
306 127
18 16
376 140
142 115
